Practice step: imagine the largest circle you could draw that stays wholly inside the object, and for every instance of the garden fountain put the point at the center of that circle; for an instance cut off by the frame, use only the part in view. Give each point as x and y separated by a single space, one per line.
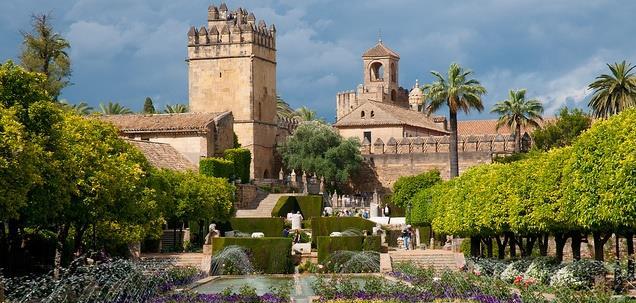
345 261
232 260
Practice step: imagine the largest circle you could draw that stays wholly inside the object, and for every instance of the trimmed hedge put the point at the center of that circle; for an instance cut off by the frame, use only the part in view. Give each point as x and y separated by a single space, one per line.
241 159
271 227
328 245
309 206
216 167
270 255
324 226
285 205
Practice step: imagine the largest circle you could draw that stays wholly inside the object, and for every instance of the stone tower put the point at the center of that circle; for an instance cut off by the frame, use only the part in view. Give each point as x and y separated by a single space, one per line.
380 71
232 67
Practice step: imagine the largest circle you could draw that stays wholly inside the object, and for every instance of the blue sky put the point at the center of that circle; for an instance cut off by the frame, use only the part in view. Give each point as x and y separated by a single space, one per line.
125 50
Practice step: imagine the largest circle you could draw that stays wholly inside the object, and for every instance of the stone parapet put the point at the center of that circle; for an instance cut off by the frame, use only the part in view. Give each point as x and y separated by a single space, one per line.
441 144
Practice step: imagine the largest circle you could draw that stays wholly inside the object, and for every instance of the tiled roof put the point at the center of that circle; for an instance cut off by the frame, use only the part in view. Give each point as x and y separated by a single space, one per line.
487 127
398 115
162 155
379 50
163 122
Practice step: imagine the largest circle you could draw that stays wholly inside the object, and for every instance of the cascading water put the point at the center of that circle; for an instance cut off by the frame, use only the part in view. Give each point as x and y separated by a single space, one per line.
232 260
351 232
345 261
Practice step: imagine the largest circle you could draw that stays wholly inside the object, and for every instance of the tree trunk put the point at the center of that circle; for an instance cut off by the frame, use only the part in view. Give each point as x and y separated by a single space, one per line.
475 246
13 246
501 246
518 138
488 243
560 239
576 245
543 244
530 240
62 234
78 240
513 246
454 159
629 239
599 243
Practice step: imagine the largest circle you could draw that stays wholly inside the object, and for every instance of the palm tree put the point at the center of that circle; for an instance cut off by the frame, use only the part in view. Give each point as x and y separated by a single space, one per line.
81 109
45 51
613 93
114 108
517 112
283 110
458 92
176 109
305 114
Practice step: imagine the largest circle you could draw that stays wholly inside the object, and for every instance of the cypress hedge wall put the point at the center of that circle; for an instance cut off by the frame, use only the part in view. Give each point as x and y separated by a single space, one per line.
271 227
324 226
309 206
241 159
216 167
270 255
328 245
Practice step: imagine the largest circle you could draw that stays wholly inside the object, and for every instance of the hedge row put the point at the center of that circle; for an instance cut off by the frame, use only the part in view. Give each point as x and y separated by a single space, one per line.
309 206
324 226
241 158
327 245
235 164
216 167
271 227
270 255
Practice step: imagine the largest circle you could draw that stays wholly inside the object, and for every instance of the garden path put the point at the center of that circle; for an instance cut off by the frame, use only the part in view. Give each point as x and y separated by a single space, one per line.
264 207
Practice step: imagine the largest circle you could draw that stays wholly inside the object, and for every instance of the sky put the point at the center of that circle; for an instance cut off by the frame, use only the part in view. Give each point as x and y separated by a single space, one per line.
125 50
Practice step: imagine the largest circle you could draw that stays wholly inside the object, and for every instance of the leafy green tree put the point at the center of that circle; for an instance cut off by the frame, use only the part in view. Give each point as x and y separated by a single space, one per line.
149 108
316 148
82 108
613 92
114 108
458 92
569 124
517 112
176 109
406 187
45 51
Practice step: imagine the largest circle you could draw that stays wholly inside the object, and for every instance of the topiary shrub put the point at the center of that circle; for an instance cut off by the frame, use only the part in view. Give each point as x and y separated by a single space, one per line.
271 255
271 227
216 167
328 245
578 274
285 205
324 226
241 159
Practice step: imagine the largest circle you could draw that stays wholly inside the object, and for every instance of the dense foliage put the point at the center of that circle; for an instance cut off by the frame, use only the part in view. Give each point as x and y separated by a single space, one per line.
405 188
327 245
64 177
241 159
586 188
324 226
216 167
309 206
271 227
317 148
569 124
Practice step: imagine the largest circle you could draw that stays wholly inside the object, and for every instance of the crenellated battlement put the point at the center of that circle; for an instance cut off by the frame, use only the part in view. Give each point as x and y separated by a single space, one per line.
495 143
232 27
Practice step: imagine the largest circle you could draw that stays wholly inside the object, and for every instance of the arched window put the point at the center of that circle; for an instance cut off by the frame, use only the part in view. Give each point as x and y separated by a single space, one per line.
377 71
372 114
362 114
393 95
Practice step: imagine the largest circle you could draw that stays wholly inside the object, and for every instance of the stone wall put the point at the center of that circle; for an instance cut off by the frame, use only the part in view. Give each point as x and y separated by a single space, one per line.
245 195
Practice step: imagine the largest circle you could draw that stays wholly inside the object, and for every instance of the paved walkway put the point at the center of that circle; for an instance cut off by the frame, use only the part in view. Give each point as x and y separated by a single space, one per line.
439 260
263 208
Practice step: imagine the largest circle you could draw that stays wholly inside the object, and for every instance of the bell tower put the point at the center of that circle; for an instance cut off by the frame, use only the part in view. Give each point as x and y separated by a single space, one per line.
232 67
381 72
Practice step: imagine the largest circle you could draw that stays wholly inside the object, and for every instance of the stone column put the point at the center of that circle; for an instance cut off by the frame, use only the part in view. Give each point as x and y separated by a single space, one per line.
304 180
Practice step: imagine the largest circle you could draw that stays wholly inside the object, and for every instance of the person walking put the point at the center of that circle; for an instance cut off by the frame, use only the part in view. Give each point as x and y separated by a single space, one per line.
406 237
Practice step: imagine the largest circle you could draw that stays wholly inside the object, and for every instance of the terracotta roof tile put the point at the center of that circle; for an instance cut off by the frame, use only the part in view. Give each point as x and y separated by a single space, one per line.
487 127
163 122
162 155
379 50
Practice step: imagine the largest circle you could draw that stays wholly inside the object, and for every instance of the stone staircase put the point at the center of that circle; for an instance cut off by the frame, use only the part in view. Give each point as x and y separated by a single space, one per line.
439 260
262 208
